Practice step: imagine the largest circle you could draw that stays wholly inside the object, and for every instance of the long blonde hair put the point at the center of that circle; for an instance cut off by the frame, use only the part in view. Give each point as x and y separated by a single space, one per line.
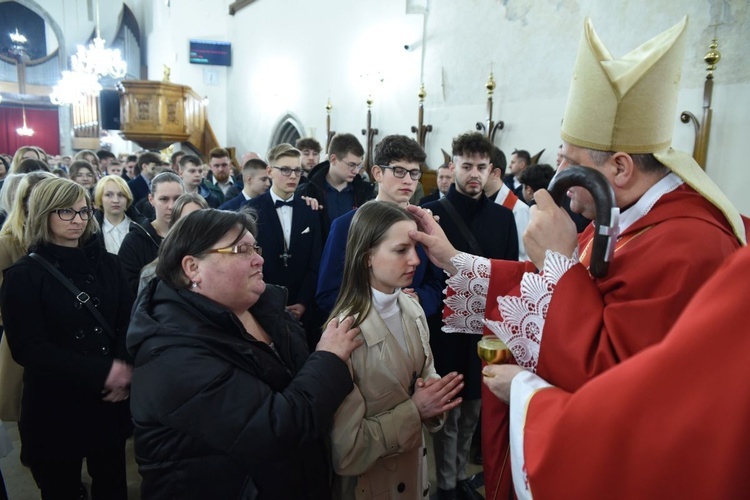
16 222
368 230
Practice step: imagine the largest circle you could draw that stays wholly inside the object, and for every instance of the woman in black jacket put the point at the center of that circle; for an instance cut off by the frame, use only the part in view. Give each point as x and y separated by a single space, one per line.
226 401
76 369
141 244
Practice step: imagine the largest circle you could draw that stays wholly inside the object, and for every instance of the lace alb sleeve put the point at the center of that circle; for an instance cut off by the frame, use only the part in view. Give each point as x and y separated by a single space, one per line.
470 286
524 316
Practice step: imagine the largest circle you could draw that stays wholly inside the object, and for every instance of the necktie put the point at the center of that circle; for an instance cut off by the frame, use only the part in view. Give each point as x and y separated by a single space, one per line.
280 203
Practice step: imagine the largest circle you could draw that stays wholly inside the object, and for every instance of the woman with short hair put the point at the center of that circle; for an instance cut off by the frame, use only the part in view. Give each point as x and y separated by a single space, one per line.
76 368
115 211
226 401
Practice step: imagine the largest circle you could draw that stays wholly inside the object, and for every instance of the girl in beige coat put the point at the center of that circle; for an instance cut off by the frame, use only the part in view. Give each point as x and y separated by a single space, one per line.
377 442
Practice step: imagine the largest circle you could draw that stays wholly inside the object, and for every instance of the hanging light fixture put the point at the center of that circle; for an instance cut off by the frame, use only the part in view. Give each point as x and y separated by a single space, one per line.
89 65
24 131
74 87
17 38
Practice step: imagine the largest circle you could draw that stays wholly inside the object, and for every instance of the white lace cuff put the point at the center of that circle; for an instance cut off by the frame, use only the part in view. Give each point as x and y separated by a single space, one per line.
524 316
470 284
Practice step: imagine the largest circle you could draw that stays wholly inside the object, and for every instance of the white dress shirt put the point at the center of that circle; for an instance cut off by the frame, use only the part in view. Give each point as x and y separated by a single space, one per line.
285 217
113 235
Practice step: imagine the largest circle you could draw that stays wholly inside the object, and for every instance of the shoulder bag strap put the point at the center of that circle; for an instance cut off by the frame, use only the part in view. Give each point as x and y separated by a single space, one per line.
82 297
467 234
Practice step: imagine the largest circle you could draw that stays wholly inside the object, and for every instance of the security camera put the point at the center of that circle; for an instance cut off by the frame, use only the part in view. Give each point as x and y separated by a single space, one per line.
407 47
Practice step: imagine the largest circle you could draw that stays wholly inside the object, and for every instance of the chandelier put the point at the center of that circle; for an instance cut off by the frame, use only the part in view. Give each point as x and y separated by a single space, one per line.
99 61
17 38
74 87
24 131
89 65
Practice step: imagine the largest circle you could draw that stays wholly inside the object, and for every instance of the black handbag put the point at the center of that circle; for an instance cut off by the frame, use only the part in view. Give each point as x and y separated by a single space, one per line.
82 297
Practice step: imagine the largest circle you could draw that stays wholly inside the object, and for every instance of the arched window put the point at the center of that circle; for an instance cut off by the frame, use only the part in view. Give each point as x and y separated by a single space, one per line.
288 130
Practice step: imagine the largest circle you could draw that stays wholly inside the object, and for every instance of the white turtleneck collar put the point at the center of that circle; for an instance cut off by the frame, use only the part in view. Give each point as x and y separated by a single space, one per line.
386 304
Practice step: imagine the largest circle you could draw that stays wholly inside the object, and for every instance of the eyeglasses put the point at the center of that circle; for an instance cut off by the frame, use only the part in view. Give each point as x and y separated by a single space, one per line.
287 171
68 214
354 166
238 249
400 172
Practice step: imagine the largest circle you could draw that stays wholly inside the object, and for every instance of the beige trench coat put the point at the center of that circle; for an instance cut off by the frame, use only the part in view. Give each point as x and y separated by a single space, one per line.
378 446
11 373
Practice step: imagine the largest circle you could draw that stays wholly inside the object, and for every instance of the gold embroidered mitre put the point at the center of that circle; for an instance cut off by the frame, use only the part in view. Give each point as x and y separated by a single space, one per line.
629 105
625 104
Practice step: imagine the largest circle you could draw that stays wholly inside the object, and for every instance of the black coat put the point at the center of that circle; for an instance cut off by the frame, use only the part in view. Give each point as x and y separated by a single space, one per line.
135 216
434 196
315 188
65 352
217 413
495 230
139 247
139 188
300 275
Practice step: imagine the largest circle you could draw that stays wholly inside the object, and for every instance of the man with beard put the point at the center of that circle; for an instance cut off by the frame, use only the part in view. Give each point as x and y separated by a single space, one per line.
221 170
474 223
310 149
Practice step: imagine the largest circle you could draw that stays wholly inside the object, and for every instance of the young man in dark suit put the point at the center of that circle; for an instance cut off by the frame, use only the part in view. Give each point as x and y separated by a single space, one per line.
289 234
255 182
145 170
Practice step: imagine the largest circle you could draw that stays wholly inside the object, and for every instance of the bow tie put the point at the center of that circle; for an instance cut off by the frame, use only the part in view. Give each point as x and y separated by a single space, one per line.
280 203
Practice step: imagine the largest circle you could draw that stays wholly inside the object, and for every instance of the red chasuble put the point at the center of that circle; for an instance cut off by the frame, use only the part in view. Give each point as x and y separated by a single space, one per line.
593 324
671 422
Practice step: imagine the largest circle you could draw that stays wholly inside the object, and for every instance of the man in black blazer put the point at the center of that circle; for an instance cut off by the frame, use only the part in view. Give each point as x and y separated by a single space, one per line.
444 179
145 170
519 161
289 232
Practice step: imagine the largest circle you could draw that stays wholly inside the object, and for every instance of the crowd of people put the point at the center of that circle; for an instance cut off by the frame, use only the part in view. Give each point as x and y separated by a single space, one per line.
290 328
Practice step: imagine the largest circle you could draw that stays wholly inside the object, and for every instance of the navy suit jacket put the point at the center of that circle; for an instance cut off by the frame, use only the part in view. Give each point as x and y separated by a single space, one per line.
139 188
427 281
434 196
301 275
235 203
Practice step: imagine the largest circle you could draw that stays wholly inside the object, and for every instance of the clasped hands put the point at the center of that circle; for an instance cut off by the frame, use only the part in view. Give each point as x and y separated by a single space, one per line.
117 384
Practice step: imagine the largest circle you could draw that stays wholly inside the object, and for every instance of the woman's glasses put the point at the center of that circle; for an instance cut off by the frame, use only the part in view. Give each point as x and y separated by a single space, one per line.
238 249
68 214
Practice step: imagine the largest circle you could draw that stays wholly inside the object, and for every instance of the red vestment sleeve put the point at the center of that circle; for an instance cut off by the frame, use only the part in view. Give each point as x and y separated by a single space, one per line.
670 422
505 280
593 324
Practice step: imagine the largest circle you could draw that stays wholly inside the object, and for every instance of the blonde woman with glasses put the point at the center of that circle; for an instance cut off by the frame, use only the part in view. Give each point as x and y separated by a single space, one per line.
66 308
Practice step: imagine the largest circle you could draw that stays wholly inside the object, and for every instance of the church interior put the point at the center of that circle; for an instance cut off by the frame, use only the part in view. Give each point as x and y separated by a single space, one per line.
247 75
